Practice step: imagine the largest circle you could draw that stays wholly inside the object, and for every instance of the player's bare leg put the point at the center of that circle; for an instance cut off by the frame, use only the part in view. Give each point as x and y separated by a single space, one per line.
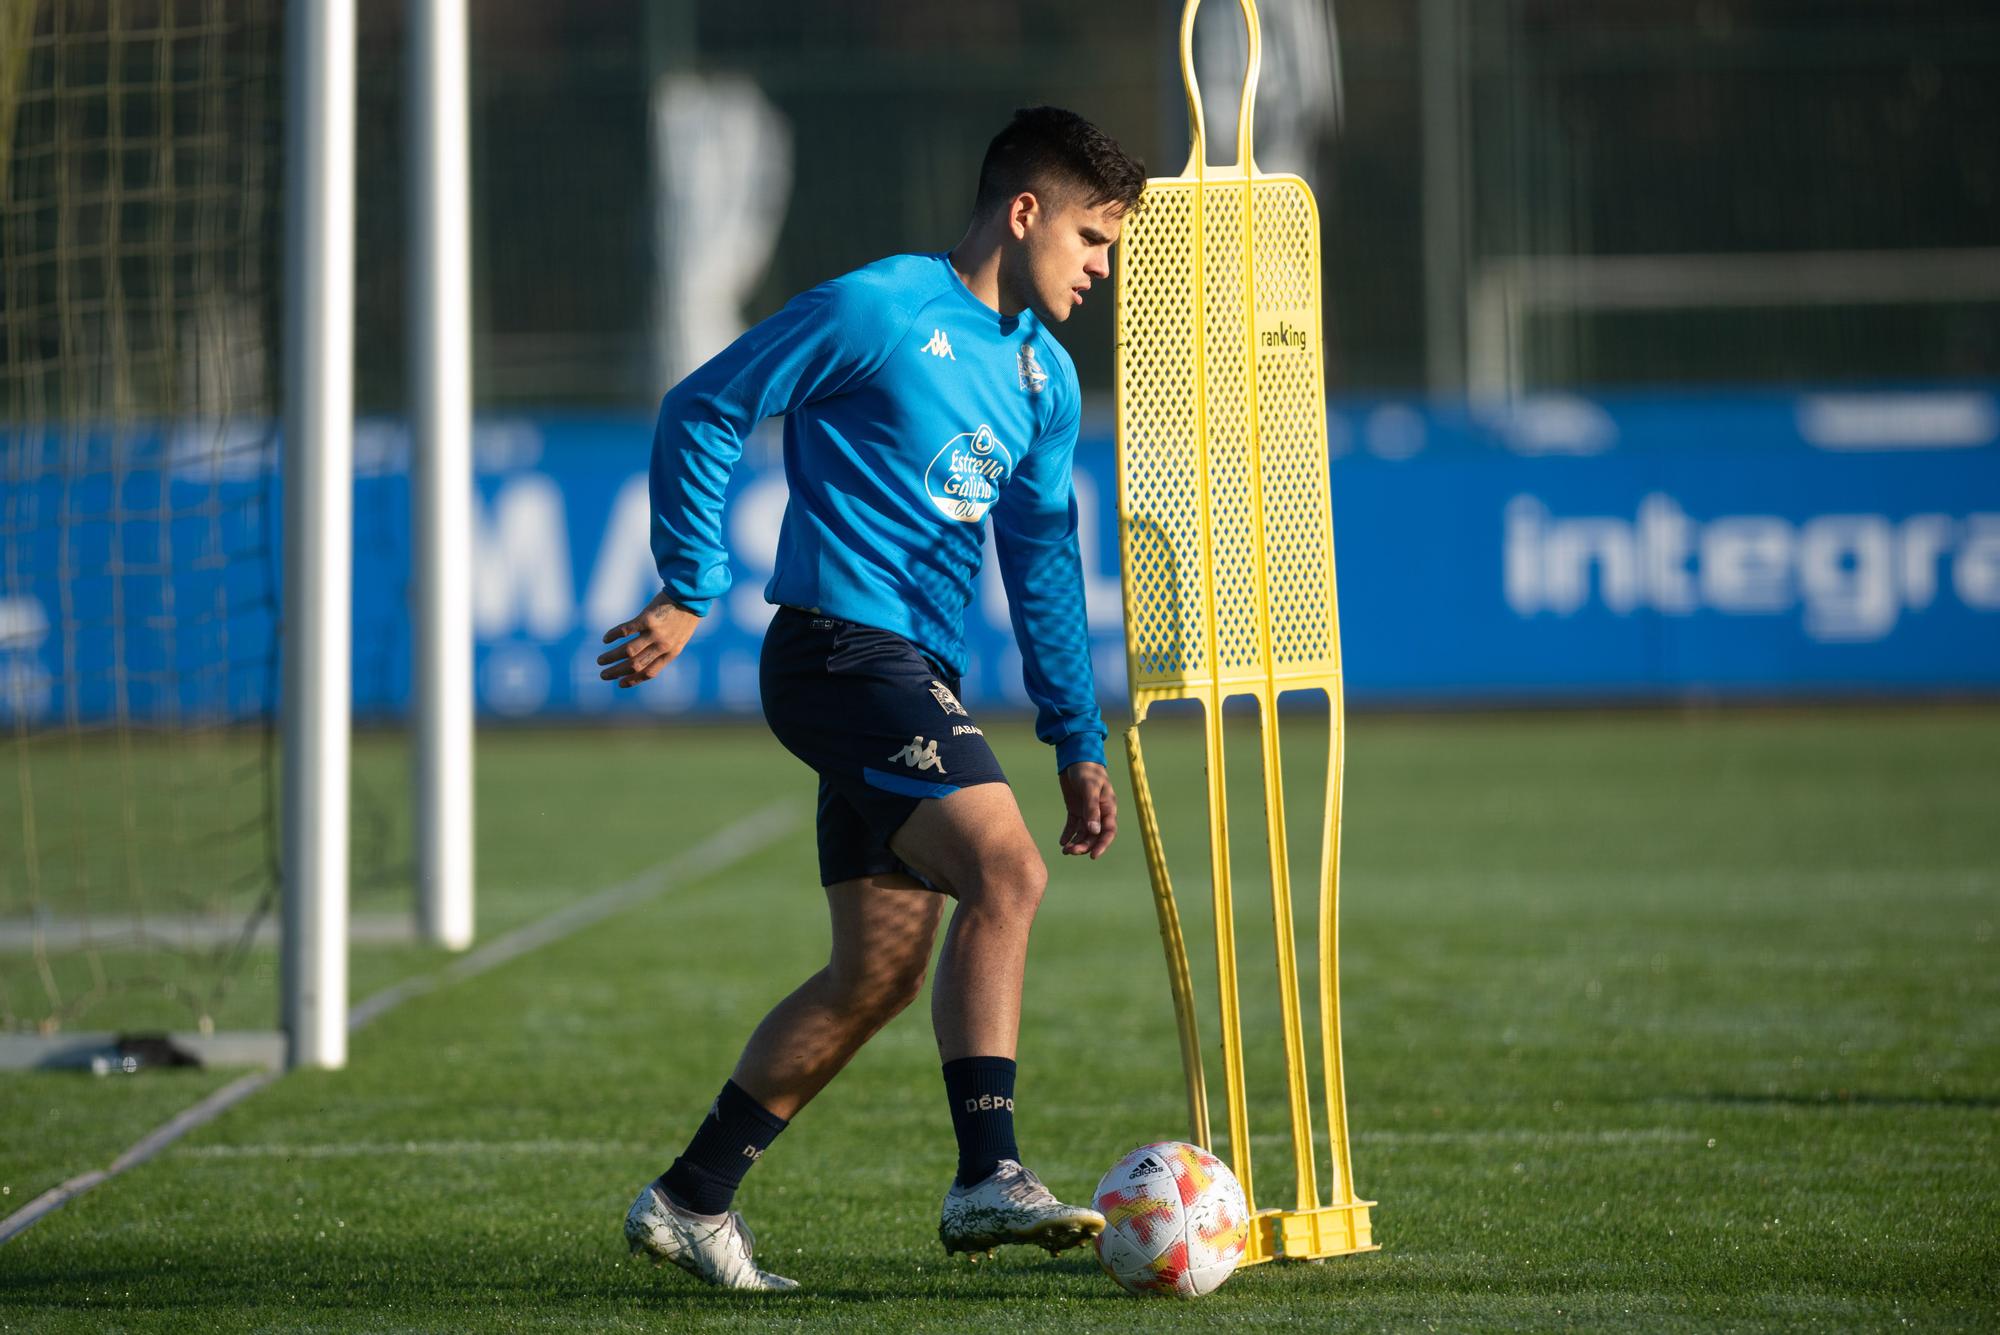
974 846
883 930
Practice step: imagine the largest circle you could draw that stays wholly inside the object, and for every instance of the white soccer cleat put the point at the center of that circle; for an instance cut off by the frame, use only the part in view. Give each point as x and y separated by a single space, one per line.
1012 1206
715 1248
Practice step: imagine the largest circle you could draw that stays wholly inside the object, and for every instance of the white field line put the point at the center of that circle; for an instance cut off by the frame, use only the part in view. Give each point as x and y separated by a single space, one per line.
1652 1135
731 844
1497 1136
152 1143
180 931
374 1149
384 1149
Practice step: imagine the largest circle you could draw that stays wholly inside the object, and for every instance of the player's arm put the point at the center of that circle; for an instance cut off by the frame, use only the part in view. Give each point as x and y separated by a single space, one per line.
820 343
1035 534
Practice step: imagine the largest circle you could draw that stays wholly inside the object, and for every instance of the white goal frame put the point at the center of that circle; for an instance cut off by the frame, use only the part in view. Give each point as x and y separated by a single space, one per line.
1506 292
320 44
318 478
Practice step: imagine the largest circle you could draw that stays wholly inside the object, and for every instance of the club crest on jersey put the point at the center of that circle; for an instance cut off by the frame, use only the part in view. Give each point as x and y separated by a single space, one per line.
965 478
1033 378
946 700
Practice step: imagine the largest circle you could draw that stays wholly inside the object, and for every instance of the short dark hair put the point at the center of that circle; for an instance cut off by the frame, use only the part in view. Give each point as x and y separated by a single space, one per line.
1049 149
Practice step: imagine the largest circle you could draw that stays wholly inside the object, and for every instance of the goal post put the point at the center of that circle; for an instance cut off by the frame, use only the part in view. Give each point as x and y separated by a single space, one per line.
176 401
319 521
440 268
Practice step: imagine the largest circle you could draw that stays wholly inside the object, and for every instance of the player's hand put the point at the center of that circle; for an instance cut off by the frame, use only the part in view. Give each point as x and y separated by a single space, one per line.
1093 809
658 634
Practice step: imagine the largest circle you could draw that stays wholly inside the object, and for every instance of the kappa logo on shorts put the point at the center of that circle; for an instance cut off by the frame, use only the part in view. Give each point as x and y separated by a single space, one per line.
946 700
920 755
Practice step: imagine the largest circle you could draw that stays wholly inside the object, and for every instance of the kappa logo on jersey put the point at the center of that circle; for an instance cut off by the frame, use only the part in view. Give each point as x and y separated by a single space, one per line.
940 346
965 478
1033 378
946 700
920 755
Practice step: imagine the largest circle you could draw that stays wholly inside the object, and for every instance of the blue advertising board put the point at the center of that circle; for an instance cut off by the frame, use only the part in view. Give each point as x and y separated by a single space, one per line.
1556 549
1759 545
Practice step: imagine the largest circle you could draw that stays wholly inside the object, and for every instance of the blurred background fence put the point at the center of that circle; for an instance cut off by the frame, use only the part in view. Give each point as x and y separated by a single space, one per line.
1658 192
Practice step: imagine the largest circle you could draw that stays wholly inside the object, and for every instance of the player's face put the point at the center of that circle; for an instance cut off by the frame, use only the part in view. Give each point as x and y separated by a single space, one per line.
1064 251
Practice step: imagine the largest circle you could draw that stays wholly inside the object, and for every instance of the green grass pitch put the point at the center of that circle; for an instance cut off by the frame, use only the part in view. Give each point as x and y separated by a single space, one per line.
1651 1022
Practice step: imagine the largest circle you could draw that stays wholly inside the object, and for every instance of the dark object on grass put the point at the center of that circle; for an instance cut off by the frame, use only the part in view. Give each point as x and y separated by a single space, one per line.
136 1052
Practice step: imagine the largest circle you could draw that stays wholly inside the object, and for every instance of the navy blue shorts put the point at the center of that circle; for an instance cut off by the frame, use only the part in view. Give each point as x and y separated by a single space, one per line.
879 723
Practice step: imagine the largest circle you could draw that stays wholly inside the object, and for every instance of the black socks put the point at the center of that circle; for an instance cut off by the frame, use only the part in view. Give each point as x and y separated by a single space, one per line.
736 1132
981 1090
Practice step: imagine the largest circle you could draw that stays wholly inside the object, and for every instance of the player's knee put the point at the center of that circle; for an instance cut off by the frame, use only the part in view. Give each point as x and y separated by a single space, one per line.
1034 876
880 989
1012 879
906 984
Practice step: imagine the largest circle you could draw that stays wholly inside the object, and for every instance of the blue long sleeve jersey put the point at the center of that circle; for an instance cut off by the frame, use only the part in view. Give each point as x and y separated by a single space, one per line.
913 410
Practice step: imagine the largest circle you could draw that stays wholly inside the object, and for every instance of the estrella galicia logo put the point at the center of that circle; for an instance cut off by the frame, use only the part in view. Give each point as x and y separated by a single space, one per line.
965 478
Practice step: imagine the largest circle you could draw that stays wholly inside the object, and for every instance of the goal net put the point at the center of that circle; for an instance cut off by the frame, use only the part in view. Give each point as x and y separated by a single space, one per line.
139 209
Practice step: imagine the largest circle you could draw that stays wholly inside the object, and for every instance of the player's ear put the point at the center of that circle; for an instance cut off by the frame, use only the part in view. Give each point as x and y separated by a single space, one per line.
1023 211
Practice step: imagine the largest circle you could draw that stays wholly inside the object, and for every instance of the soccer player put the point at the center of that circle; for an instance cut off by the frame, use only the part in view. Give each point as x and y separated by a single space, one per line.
921 394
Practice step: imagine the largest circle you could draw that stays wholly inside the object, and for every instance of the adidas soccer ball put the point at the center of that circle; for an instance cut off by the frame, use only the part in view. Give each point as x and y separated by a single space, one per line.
1175 1221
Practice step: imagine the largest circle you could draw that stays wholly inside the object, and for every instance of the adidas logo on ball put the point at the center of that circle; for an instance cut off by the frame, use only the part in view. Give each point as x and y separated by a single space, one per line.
1175 1221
